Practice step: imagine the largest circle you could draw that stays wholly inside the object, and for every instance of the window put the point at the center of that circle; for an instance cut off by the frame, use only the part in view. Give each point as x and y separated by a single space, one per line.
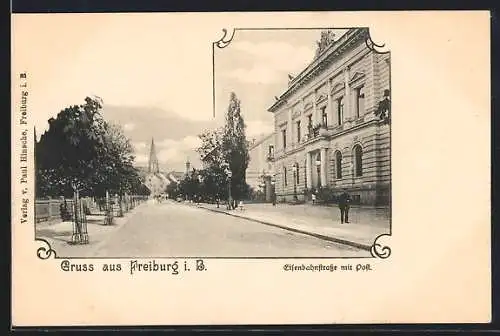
324 116
360 102
309 124
284 177
338 165
358 160
298 131
283 136
270 152
340 110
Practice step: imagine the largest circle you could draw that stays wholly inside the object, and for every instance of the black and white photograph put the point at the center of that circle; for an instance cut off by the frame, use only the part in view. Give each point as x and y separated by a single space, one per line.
294 161
248 169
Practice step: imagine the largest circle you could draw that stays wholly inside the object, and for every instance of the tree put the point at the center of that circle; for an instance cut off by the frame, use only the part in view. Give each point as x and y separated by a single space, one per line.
211 148
214 185
213 159
81 152
235 148
67 154
189 185
173 190
116 172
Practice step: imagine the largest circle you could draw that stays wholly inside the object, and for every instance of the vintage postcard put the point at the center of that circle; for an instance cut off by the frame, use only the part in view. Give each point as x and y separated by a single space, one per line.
250 168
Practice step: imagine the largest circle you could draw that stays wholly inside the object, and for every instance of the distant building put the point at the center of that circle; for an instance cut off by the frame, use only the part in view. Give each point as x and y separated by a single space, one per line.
155 181
260 168
327 134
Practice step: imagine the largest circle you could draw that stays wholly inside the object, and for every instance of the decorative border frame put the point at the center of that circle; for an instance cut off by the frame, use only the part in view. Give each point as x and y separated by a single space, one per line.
378 249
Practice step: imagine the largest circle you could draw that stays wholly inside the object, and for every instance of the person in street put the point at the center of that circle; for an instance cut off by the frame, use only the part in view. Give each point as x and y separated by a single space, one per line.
344 204
313 196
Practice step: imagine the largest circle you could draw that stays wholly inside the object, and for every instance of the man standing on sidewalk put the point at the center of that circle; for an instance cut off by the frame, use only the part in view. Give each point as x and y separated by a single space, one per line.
344 203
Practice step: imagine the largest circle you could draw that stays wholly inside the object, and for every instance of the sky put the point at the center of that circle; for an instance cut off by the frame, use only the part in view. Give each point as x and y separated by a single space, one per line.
155 80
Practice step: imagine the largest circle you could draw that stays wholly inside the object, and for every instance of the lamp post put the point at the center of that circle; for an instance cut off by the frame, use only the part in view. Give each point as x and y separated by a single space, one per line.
295 170
273 192
200 180
229 198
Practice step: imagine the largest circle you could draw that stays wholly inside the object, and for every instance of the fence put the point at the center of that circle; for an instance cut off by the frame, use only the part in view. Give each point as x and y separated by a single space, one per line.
46 210
50 209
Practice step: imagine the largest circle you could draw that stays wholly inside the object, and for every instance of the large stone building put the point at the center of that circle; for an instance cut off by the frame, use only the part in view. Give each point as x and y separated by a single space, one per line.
260 167
327 133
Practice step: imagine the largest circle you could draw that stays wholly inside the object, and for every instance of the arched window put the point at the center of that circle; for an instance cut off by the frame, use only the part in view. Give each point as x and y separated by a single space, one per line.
338 164
358 160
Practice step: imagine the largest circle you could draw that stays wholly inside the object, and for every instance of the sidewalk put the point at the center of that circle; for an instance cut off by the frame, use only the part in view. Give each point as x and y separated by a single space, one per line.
318 221
58 234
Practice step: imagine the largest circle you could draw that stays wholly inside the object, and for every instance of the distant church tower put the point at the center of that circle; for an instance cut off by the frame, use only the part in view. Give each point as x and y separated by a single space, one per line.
155 180
153 159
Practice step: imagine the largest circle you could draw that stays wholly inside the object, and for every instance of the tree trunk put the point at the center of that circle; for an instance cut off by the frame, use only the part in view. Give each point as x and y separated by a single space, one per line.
76 215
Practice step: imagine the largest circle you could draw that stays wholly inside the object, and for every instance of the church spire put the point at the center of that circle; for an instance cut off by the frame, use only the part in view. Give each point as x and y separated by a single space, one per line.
153 159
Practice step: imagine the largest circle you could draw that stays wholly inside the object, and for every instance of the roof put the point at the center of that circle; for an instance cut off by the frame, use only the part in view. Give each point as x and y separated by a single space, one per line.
261 140
317 64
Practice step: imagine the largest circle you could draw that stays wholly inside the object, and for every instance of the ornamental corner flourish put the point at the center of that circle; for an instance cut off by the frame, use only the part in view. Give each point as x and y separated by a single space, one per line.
46 251
380 250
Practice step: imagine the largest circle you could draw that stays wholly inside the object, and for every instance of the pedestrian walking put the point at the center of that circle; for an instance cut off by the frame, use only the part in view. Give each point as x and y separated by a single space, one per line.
344 204
313 196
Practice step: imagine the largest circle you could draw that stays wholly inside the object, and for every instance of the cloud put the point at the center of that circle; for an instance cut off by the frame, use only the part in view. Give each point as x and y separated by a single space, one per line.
166 143
138 146
256 74
271 61
191 142
281 56
187 143
169 155
258 127
129 126
171 151
141 158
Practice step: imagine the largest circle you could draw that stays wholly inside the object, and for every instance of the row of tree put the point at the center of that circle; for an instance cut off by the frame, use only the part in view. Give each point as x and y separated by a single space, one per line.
225 157
83 152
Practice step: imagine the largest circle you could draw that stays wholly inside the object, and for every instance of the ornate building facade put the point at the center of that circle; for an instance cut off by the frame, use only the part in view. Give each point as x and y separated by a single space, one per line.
260 169
328 131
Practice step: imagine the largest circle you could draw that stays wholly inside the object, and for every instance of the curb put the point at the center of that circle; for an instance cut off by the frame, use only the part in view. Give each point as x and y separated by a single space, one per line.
316 235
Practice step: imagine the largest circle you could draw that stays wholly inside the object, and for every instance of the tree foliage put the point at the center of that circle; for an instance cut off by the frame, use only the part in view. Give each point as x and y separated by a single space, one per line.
82 152
235 146
211 150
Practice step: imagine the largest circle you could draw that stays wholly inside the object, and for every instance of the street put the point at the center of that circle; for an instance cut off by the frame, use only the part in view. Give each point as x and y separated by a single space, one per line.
179 230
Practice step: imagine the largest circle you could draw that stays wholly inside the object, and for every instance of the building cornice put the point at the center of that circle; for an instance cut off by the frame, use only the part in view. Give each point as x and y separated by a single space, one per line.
323 139
328 55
